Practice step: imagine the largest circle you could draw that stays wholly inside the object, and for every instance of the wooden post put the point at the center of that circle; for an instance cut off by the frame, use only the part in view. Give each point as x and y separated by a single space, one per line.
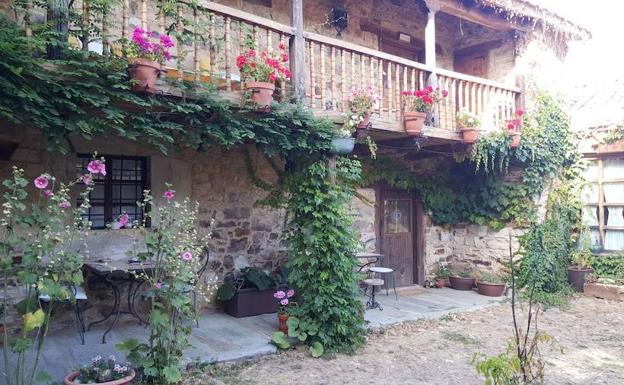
430 39
297 51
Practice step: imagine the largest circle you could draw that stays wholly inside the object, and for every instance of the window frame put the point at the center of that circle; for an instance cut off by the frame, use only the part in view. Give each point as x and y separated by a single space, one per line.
108 182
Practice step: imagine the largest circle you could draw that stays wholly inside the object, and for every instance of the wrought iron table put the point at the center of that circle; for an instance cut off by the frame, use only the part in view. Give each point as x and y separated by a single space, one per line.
369 258
115 274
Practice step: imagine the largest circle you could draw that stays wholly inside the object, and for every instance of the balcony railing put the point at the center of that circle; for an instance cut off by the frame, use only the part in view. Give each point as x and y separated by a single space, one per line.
210 36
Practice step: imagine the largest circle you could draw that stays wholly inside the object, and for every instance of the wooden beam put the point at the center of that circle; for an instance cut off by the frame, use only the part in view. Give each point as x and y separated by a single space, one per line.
297 51
473 14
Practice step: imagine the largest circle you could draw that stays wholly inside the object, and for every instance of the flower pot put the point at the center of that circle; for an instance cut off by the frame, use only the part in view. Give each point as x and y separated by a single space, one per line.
282 323
144 73
461 283
414 121
515 139
469 135
249 302
343 146
261 94
69 379
577 275
491 289
440 283
365 121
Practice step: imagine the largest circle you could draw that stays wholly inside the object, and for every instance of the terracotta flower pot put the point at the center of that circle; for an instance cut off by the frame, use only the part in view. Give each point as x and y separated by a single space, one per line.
469 135
261 94
440 283
414 122
491 289
69 379
461 283
577 275
515 139
144 72
282 323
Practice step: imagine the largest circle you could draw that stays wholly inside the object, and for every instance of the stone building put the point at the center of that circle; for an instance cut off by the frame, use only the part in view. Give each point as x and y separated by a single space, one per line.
491 56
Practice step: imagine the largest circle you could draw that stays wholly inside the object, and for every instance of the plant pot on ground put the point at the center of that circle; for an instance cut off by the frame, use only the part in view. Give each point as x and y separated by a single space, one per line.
260 71
247 293
147 51
491 285
103 371
284 302
442 276
462 281
578 272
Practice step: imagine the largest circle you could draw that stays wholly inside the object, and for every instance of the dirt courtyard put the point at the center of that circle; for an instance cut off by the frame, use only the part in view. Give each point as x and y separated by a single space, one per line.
438 352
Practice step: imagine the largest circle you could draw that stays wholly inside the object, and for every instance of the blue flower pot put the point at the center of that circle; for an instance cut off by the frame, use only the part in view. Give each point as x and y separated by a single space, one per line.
343 145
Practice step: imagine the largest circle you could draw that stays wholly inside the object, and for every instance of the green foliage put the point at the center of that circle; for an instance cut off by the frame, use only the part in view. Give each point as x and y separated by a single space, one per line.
480 190
321 241
608 266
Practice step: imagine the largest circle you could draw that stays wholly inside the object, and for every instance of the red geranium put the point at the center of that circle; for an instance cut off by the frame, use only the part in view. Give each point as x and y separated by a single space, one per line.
263 67
422 100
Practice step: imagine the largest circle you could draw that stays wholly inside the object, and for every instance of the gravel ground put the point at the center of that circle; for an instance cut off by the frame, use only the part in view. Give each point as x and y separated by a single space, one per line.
590 332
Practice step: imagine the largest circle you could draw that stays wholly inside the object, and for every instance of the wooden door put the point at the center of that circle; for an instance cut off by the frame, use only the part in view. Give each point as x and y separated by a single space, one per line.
397 228
473 63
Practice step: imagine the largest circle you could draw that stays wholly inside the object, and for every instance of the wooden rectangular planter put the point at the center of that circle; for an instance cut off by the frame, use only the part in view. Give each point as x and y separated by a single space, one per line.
250 302
599 290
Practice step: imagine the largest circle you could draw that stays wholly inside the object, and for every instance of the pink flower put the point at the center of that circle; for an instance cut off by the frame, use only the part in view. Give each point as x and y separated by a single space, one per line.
158 285
520 112
65 205
96 167
87 179
48 193
444 93
169 194
282 45
41 182
279 294
272 77
123 220
186 256
290 293
511 126
284 302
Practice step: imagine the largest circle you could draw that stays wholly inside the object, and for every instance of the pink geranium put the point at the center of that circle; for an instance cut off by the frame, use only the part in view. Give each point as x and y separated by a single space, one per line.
41 182
169 194
290 293
279 294
284 302
186 256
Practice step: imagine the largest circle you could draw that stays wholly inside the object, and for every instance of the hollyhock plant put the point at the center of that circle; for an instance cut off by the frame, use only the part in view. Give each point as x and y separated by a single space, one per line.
422 100
263 66
150 45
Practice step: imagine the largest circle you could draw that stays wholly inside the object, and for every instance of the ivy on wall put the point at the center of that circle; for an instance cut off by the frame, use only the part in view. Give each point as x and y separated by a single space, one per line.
479 189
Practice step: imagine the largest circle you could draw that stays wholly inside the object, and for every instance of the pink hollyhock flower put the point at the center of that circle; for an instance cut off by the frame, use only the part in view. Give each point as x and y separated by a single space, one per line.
169 194
290 293
41 182
65 205
186 256
123 220
279 294
96 167
87 179
284 302
48 193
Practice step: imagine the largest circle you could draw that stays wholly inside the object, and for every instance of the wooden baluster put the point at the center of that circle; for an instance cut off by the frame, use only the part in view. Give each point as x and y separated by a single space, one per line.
460 95
372 79
323 78
397 76
226 54
390 90
352 69
144 15
380 85
28 15
161 19
499 115
405 78
179 28
269 40
256 36
413 83
84 26
125 19
105 37
363 80
453 101
312 76
343 69
212 41
195 43
334 98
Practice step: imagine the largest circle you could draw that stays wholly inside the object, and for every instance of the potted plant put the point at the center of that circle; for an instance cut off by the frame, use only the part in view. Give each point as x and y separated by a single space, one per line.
463 280
102 371
344 142
284 301
416 106
513 127
361 103
260 71
247 292
442 277
147 51
468 124
578 272
491 285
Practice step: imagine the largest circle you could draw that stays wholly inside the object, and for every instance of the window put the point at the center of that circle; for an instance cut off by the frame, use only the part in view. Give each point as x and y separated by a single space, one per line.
118 191
603 198
397 216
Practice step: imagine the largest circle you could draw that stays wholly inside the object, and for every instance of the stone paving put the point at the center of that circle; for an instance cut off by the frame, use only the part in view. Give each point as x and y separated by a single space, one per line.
224 338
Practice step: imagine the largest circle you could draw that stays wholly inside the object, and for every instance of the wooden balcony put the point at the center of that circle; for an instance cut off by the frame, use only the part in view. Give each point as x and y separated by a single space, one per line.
214 35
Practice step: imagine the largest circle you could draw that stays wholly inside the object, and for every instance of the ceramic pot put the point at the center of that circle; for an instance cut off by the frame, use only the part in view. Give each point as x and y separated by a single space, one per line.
515 139
491 289
577 275
69 379
282 323
261 94
461 283
414 121
440 283
343 146
144 73
469 135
